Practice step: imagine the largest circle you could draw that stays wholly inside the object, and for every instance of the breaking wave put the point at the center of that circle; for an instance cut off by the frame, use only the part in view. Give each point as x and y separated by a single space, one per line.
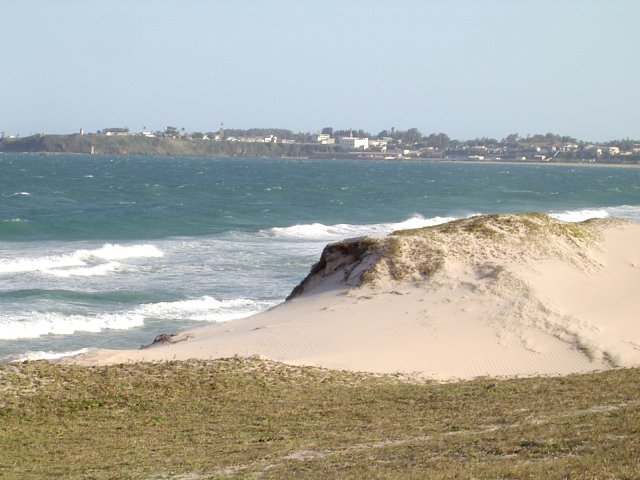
627 212
319 231
17 194
99 261
42 355
203 309
579 215
37 324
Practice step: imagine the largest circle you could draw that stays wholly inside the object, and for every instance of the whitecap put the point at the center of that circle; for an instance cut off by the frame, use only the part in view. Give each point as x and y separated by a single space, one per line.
319 231
579 215
202 309
310 231
420 222
42 355
322 232
120 252
39 263
85 259
37 324
628 212
17 194
94 271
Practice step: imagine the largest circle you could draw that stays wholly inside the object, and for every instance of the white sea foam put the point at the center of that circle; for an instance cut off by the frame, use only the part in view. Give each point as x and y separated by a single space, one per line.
628 212
94 271
319 231
119 252
42 355
202 309
322 232
579 215
80 262
39 263
36 324
18 194
419 222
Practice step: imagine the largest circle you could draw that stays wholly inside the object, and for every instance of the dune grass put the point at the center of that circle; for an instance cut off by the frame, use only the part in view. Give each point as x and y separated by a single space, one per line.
249 418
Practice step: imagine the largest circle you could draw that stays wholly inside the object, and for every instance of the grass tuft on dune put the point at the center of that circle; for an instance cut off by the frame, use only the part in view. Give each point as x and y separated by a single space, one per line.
418 254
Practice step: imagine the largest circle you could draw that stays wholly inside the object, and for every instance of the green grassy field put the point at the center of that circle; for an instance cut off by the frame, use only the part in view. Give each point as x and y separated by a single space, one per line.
248 418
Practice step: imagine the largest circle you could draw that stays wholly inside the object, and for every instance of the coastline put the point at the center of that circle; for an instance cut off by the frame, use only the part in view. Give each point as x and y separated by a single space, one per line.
454 160
517 296
172 143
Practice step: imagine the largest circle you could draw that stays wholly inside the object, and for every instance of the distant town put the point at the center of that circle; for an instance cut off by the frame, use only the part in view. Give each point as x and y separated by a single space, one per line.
328 143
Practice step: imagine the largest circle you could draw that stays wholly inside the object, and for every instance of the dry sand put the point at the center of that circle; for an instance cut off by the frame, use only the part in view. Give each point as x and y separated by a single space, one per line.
491 296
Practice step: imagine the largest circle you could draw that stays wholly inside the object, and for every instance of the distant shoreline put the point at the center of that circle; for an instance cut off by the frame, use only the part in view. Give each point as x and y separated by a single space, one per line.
312 157
135 145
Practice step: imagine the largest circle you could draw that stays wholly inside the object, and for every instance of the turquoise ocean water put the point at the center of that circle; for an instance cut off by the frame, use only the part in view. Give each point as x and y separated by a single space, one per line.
101 251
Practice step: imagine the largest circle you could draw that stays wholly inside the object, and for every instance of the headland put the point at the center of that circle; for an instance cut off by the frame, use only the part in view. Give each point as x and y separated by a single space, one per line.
281 143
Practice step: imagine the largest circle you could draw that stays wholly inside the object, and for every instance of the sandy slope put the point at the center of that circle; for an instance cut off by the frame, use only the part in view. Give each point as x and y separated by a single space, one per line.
494 295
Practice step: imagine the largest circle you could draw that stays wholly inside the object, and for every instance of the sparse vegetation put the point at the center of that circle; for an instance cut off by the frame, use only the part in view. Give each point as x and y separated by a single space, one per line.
248 418
422 252
138 145
400 259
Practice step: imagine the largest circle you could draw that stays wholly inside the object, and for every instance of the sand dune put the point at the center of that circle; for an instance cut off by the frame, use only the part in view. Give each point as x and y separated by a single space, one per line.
501 295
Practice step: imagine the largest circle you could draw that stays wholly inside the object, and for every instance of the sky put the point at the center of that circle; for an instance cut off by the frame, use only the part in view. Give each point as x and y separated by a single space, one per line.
468 68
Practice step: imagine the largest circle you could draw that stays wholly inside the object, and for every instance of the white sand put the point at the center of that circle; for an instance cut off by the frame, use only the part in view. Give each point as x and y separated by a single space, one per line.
560 308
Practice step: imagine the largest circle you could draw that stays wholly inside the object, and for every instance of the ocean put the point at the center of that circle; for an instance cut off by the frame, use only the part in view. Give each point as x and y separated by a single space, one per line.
110 251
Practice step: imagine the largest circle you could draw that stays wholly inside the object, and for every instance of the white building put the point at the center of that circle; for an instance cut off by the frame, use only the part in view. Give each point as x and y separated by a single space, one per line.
354 142
378 143
115 131
325 139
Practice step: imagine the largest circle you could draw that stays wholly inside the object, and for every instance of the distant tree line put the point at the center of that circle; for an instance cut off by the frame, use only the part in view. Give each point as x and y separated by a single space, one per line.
281 133
413 137
239 142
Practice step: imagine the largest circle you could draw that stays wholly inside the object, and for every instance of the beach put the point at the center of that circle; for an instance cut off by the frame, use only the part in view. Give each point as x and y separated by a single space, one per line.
500 296
110 252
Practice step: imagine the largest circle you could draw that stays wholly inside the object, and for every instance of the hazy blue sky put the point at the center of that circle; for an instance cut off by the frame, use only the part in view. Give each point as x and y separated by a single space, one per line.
469 68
